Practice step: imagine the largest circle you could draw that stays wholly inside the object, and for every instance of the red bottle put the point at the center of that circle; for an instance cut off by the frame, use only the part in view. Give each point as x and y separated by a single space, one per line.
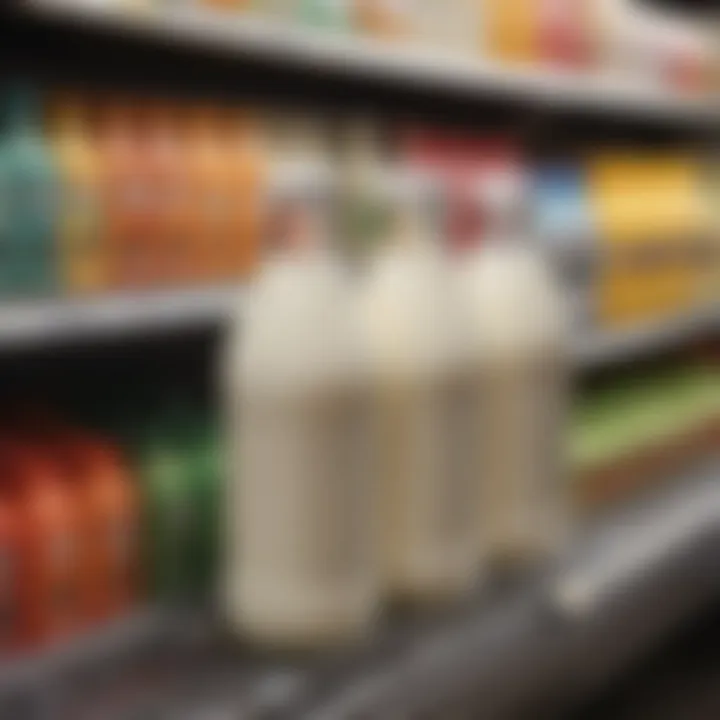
48 542
108 502
105 506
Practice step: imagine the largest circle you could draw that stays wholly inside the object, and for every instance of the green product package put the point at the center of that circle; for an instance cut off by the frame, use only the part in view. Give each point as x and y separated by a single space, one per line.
642 413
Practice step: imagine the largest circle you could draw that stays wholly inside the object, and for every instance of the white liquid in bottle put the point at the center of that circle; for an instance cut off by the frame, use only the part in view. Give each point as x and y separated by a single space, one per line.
301 565
519 341
413 334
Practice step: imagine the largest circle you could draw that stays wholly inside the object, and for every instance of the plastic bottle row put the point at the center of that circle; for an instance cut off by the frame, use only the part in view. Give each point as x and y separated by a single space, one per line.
397 430
400 430
102 193
623 39
92 528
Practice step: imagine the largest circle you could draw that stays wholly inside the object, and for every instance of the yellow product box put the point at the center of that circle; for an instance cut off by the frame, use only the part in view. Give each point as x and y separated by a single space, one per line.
680 207
621 192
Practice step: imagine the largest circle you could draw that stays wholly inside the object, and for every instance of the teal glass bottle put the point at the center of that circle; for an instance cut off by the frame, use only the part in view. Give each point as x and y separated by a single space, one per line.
30 181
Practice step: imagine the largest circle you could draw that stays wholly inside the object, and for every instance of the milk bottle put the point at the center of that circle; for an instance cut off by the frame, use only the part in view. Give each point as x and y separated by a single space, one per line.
300 566
414 334
518 339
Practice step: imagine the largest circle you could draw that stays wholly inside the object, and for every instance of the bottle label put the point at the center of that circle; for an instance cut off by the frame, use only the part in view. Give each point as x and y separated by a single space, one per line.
523 434
427 440
298 223
307 486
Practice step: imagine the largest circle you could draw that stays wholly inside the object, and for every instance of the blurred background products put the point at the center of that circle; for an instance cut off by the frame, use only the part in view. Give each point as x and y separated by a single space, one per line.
121 193
637 427
651 214
566 230
118 193
626 40
96 526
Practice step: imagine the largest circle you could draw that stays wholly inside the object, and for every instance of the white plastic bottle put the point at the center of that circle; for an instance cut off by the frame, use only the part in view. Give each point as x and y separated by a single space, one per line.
413 331
301 567
519 344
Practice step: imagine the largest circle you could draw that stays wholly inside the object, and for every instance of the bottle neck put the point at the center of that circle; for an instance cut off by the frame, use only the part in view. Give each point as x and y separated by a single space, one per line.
502 227
414 227
299 225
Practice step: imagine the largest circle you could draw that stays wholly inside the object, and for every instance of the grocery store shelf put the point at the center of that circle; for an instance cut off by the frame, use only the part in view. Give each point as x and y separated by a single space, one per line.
43 322
569 626
365 59
527 649
610 347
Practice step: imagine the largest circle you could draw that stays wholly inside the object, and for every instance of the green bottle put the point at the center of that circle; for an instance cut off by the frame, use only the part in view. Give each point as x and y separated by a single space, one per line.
30 179
168 511
197 439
